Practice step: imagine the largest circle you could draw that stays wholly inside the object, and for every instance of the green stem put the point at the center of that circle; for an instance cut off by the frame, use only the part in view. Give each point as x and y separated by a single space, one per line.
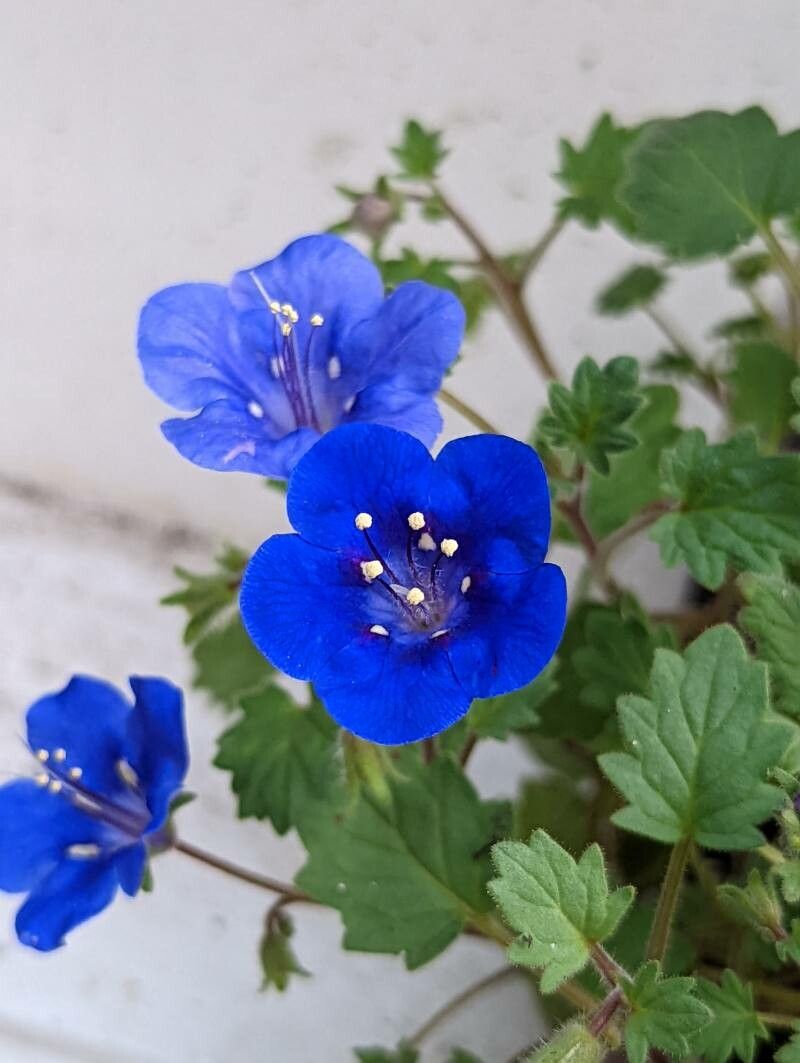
458 1001
782 1022
782 259
668 900
467 412
531 260
287 892
771 854
605 1013
706 379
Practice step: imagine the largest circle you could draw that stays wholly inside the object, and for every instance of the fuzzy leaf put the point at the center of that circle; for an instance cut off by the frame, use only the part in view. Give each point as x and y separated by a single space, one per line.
772 618
788 875
634 288
559 908
278 961
665 1014
228 666
592 174
282 758
699 748
572 1044
404 1054
406 875
207 595
737 508
420 151
761 381
790 1053
460 1055
589 418
735 1026
754 905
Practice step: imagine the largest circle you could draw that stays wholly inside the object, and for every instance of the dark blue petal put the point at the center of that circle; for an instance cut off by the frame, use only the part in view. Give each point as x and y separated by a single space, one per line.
36 827
391 692
155 745
130 863
73 892
384 403
88 720
486 488
358 468
412 339
300 604
225 436
514 626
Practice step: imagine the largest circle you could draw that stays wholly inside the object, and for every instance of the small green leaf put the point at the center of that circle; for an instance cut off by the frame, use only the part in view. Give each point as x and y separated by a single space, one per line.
737 508
747 269
228 666
559 908
404 1054
473 292
788 875
734 1027
634 288
790 1053
282 758
572 1044
592 175
589 418
505 714
745 327
699 748
788 948
278 961
772 618
761 381
407 874
207 595
795 421
754 905
664 1014
420 151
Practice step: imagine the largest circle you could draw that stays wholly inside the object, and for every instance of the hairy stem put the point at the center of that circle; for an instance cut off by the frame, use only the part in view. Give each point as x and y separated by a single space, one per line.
467 412
531 260
781 1022
706 379
458 1001
287 892
607 965
605 1013
668 901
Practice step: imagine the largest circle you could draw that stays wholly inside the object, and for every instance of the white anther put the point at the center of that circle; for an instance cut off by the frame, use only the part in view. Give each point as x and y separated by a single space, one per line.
425 542
448 547
371 570
379 629
83 851
273 304
438 634
415 596
334 367
416 521
317 320
363 521
41 779
255 409
287 309
294 317
54 786
59 754
75 773
275 367
127 774
286 329
42 755
466 583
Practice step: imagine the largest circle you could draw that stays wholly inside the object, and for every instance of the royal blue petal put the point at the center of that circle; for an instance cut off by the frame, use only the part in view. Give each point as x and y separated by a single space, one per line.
513 628
412 339
391 692
300 604
226 437
155 745
487 488
36 827
385 404
73 892
130 863
88 720
356 469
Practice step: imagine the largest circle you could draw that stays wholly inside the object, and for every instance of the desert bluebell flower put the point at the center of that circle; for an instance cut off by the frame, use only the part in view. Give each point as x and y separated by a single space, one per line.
80 828
293 348
413 585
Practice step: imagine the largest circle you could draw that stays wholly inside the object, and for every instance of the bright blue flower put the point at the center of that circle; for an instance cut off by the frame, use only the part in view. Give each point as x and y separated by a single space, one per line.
413 585
293 348
107 772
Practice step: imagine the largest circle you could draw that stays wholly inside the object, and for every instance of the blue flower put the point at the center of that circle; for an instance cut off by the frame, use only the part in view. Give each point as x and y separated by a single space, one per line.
293 348
413 585
106 774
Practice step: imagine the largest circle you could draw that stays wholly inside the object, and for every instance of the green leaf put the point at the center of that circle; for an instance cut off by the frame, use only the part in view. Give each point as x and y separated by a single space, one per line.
772 618
557 806
790 1053
755 905
734 1027
788 874
404 1054
746 327
588 419
505 714
405 875
633 481
282 758
705 184
761 381
665 1014
572 1044
592 175
420 151
747 269
795 421
460 1055
278 961
737 508
699 748
559 908
206 595
228 666
788 948
634 288
473 292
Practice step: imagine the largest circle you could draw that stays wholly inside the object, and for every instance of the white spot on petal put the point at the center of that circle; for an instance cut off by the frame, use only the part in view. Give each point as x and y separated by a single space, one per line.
334 367
466 583
247 447
127 774
438 634
425 542
378 629
83 851
349 404
275 367
255 409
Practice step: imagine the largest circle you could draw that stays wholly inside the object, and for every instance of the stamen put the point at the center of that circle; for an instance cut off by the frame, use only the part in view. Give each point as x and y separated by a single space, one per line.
415 596
416 521
438 634
275 367
371 570
426 542
82 851
334 367
448 547
363 521
255 409
379 629
42 755
466 583
286 329
75 773
273 304
54 786
59 755
41 779
317 320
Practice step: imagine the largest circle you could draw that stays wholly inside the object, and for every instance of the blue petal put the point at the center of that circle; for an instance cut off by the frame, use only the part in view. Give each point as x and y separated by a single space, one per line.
513 628
155 744
73 892
226 437
354 469
35 829
385 404
87 719
487 488
391 692
130 863
300 604
412 339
